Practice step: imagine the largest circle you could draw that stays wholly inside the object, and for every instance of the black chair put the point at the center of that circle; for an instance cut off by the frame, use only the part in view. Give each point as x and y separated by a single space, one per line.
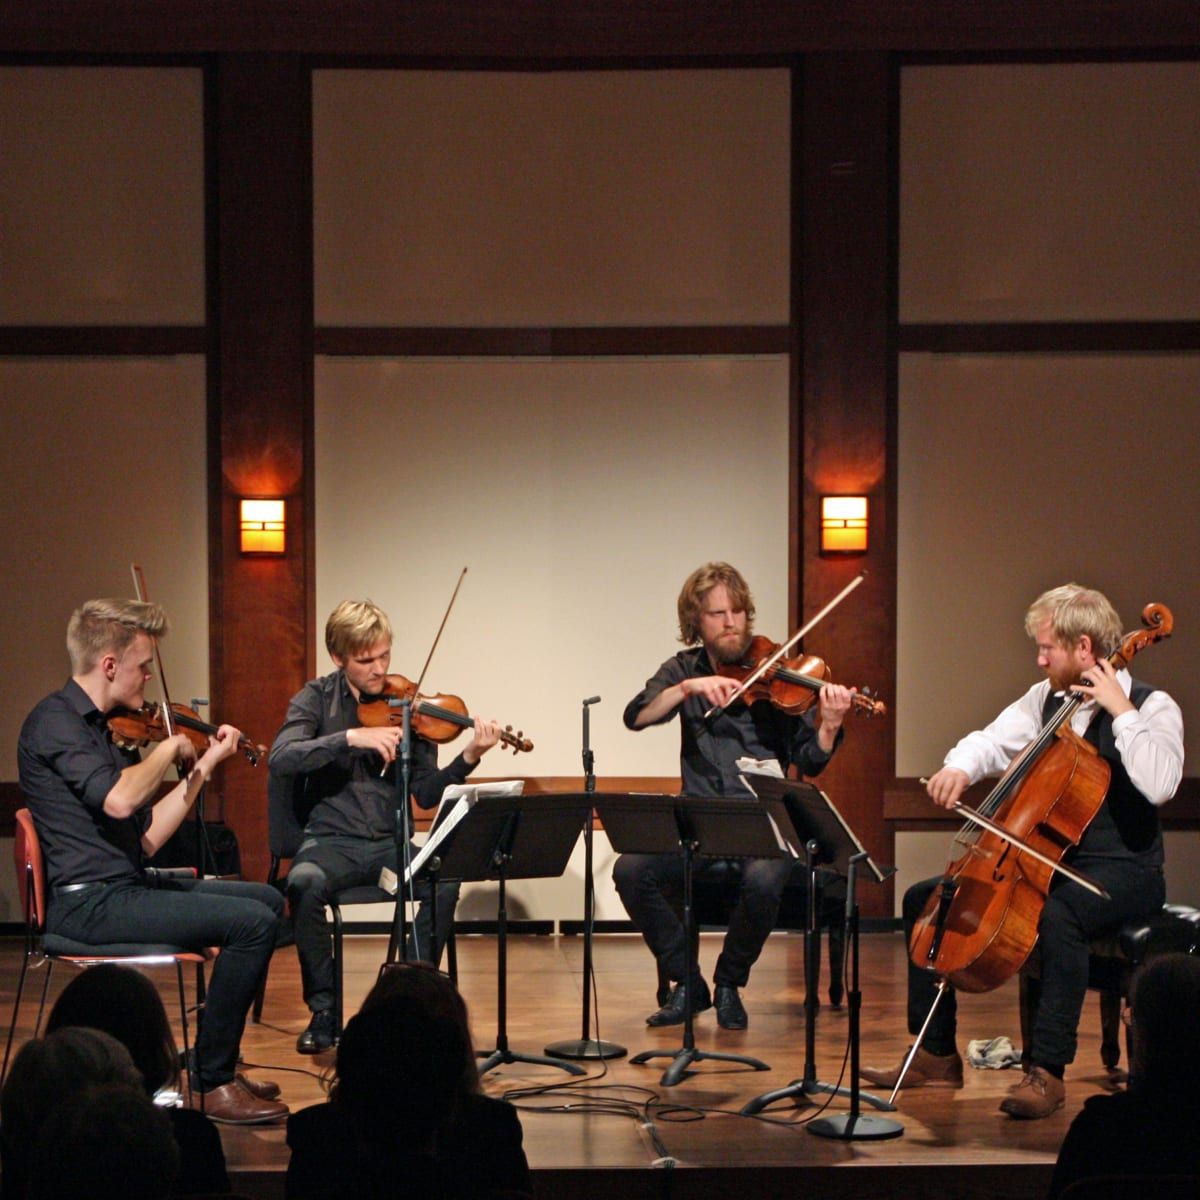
288 809
714 894
1113 959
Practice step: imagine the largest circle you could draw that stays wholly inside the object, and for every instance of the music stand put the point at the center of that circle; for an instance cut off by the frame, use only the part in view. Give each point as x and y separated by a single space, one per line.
714 828
507 837
827 839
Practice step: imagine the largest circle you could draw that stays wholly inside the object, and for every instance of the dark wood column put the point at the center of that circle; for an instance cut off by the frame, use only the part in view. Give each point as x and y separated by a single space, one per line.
845 377
260 398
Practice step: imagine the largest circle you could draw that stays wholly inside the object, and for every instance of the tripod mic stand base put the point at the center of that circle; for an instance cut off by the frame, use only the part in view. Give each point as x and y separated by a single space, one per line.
848 1127
586 1048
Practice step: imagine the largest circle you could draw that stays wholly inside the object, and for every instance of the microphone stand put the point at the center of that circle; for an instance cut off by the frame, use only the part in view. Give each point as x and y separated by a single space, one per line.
587 1046
399 942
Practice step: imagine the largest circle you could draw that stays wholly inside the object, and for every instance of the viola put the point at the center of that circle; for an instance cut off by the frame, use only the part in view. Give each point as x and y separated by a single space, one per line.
439 718
133 728
790 684
981 923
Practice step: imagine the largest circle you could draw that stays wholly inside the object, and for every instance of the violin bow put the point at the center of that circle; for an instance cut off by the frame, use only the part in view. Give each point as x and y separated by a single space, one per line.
139 589
765 666
437 637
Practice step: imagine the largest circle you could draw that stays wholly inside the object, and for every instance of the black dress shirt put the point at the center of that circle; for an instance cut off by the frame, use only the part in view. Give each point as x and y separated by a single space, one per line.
68 764
709 750
343 790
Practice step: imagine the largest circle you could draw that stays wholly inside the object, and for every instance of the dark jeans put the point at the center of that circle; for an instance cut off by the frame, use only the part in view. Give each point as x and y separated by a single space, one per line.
240 918
651 888
325 866
1071 917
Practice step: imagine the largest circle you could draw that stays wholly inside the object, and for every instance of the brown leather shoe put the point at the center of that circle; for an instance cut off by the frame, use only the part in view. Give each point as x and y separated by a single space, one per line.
232 1104
927 1070
264 1089
1037 1095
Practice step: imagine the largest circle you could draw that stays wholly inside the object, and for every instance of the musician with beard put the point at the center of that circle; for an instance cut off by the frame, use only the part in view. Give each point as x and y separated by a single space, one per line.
716 617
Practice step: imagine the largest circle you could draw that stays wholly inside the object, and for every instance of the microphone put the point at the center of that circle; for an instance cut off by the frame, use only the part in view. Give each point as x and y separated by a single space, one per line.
591 700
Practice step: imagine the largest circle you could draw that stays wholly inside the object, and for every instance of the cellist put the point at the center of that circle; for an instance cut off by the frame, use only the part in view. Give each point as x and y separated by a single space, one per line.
1138 729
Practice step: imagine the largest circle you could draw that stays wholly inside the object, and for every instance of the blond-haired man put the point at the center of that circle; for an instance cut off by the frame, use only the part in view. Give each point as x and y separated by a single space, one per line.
1139 731
346 777
94 805
716 617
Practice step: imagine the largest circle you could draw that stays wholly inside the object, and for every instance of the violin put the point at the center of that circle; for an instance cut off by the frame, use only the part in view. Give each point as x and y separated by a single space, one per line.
133 728
438 718
791 684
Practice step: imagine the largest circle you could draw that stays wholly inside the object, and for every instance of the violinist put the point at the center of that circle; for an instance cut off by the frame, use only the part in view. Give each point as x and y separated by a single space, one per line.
93 803
716 616
345 774
1139 731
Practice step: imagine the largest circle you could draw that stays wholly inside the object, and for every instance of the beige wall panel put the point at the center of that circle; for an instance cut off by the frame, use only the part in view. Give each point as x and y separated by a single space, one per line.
580 494
1020 473
104 466
590 198
1064 191
101 196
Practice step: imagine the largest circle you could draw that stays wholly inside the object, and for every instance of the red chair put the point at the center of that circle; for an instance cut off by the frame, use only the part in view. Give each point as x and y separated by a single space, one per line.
49 948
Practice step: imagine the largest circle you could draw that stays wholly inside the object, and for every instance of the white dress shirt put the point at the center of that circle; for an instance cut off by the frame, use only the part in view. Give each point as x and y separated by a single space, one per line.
1149 739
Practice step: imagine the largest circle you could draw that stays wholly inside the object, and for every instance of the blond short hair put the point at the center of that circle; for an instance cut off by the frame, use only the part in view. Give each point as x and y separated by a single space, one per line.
356 625
695 591
1074 610
99 627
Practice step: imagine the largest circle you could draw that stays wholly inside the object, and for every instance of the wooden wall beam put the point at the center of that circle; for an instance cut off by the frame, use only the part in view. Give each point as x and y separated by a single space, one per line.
843 230
260 397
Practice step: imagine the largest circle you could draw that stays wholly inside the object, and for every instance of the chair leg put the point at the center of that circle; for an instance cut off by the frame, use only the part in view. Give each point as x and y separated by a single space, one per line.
1110 1029
37 1029
188 1065
337 972
12 1028
452 957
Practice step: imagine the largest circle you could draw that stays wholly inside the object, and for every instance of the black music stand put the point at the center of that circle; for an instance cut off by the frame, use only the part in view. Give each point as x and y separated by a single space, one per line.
513 837
827 839
709 826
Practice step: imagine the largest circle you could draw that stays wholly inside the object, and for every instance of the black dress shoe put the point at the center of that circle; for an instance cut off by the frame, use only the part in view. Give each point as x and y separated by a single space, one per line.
730 1013
319 1034
675 1010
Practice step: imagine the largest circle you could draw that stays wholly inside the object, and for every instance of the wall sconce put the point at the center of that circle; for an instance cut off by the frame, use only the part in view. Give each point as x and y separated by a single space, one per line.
263 527
843 525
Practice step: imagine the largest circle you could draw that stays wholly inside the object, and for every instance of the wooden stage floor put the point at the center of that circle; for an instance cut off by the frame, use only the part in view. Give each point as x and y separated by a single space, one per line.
620 1132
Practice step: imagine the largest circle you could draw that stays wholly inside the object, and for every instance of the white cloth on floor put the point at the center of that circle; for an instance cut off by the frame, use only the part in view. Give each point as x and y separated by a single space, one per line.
993 1054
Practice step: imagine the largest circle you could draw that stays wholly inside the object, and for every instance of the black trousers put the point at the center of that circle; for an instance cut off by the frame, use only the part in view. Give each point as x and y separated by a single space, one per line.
241 918
1071 918
651 888
328 865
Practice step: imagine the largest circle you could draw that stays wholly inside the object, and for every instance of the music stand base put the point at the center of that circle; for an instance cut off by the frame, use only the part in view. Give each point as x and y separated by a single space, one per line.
688 1055
847 1127
801 1089
586 1048
497 1057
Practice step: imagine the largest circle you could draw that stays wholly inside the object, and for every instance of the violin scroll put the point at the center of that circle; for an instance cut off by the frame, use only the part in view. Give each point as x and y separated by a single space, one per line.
1159 624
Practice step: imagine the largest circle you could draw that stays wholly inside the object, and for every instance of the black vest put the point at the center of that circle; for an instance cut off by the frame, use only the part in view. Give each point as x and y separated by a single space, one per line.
1127 824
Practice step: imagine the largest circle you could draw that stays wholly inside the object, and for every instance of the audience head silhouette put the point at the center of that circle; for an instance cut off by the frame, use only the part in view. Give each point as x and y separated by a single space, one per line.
45 1070
405 1063
1165 1014
126 1005
108 1140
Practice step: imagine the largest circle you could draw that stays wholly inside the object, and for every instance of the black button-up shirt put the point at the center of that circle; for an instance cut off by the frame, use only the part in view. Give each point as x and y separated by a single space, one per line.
343 789
68 764
709 750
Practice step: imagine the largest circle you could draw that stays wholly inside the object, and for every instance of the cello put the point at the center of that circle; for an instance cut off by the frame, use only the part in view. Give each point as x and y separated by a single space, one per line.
981 923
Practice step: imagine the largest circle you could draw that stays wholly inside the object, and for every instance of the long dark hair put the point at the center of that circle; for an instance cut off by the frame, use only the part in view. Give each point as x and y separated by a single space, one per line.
123 1003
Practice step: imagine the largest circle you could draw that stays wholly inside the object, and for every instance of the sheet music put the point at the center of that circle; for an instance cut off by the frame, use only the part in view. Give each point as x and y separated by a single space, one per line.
457 800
